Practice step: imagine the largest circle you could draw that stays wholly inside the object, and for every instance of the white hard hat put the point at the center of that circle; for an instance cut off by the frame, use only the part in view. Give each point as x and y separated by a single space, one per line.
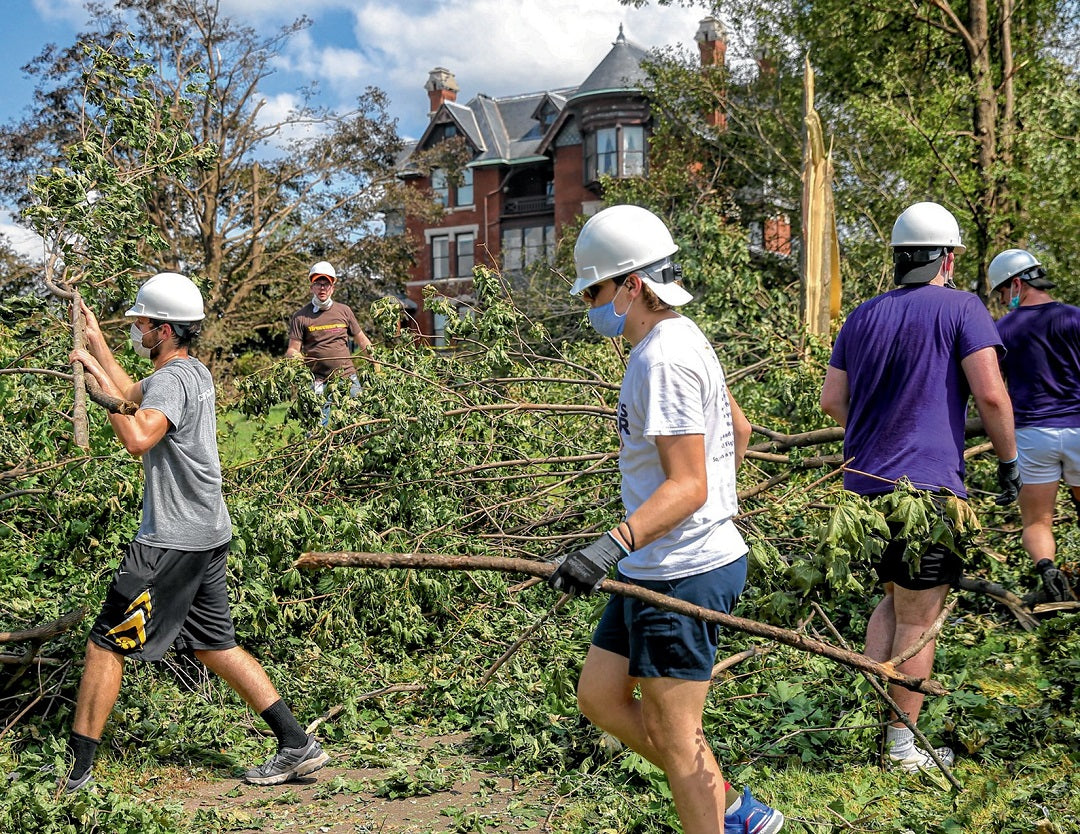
624 239
169 296
927 225
1008 265
323 269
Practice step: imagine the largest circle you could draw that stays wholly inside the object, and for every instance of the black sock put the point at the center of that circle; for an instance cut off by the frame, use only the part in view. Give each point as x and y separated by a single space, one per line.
284 724
83 750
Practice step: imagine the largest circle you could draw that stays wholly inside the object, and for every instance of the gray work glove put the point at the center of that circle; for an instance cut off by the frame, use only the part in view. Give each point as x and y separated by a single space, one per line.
1054 582
582 571
1008 475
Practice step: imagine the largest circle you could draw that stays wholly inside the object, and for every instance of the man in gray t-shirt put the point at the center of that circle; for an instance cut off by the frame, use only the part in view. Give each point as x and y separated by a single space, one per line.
170 588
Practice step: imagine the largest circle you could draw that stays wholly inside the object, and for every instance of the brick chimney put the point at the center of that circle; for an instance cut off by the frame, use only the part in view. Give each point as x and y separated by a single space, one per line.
712 44
441 87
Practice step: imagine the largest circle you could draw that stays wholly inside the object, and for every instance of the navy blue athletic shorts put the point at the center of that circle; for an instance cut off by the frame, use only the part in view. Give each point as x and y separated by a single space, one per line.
159 598
663 644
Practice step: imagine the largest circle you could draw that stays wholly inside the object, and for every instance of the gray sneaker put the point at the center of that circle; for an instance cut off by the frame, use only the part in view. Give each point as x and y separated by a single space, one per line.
72 785
289 763
918 759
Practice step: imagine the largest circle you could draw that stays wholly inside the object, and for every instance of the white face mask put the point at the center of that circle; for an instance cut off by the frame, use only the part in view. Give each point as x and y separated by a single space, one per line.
136 336
321 305
137 341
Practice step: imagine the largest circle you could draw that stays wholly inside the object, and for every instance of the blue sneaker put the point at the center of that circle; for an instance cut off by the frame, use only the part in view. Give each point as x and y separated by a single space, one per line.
753 817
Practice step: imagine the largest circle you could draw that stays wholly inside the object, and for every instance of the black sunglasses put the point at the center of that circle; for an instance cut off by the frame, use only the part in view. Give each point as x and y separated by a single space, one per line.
590 293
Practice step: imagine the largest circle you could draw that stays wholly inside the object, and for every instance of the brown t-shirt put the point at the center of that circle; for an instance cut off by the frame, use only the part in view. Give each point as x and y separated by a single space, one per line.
324 338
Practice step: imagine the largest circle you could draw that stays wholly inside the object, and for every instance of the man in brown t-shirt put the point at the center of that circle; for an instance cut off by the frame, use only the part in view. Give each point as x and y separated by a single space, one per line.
320 332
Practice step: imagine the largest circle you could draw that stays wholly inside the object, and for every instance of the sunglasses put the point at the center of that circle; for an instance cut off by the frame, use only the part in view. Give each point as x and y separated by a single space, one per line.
590 293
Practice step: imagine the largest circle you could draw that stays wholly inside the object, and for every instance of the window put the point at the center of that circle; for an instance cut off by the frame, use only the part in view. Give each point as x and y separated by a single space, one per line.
633 151
441 132
547 115
438 324
465 255
440 186
607 157
526 246
615 152
464 195
440 257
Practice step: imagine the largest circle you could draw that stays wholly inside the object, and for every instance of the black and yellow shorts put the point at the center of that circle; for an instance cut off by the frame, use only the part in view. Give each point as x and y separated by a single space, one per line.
160 597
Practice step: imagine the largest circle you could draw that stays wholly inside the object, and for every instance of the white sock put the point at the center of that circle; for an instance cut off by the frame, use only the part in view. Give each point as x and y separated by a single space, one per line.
899 740
734 806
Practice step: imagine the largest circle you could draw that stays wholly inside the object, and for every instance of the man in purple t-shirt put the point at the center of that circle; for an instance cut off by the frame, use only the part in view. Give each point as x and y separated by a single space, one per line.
898 381
1042 367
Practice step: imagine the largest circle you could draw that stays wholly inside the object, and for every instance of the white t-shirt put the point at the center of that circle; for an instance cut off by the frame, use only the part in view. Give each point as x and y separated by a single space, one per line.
674 385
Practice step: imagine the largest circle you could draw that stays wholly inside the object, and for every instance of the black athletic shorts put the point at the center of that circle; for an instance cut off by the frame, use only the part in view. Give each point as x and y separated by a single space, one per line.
937 566
159 598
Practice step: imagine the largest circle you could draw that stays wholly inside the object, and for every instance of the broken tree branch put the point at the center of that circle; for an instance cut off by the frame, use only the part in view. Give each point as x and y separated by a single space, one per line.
997 592
435 561
47 631
78 340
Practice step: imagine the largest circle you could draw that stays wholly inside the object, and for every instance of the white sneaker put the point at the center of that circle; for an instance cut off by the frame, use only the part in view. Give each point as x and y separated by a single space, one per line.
918 759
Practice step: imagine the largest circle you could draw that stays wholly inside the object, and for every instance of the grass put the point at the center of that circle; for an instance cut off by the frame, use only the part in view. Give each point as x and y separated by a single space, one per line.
237 432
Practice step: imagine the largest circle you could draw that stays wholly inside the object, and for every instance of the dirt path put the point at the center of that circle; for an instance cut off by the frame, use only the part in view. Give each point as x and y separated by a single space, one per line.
443 791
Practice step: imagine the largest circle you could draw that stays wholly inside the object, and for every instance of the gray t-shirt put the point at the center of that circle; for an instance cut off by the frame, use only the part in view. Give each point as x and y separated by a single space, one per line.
183 508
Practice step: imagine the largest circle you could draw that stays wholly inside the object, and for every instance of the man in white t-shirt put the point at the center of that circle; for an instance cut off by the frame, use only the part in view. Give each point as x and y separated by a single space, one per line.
682 437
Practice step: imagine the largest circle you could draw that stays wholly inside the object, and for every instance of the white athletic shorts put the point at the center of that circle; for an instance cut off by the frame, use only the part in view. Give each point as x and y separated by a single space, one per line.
1049 455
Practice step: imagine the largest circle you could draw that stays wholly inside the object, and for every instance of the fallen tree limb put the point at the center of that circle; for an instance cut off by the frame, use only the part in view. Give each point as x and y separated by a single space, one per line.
47 631
735 660
435 561
997 592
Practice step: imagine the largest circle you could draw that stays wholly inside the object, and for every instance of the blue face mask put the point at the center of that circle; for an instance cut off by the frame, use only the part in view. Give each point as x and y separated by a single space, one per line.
1014 301
606 321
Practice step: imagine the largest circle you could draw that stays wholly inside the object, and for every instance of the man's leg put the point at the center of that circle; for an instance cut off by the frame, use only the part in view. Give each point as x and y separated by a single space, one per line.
606 697
1037 515
98 690
299 754
244 675
915 612
671 714
1037 504
881 628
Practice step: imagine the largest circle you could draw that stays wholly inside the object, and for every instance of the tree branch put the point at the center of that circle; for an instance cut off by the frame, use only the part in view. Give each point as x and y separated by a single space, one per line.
434 561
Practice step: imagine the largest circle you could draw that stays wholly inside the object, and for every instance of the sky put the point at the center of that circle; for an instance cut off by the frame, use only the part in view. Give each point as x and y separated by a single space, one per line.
495 47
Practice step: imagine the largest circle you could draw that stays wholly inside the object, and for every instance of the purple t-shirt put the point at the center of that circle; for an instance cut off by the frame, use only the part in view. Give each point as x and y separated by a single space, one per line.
908 393
1042 366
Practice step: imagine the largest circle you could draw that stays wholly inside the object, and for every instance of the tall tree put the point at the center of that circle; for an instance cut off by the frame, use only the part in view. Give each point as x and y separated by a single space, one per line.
278 195
973 103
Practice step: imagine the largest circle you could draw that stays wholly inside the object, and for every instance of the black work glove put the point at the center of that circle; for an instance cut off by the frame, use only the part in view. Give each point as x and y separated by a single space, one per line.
582 571
1054 582
1009 481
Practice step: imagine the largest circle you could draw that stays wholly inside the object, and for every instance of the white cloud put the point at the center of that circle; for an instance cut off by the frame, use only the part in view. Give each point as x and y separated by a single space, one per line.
22 240
61 11
497 47
277 111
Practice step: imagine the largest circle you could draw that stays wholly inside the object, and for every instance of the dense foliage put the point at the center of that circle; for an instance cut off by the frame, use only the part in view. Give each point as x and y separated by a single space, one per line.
500 445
